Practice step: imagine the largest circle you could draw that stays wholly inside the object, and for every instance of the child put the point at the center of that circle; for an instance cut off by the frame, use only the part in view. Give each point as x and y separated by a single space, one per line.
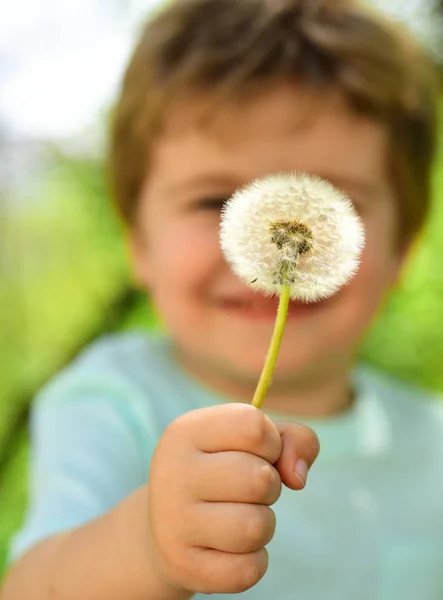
152 477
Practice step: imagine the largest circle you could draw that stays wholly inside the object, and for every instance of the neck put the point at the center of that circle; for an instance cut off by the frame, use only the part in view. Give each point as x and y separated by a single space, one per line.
320 397
324 393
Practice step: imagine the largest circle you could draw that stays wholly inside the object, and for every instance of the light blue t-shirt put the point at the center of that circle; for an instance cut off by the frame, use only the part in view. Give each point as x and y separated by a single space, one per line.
368 526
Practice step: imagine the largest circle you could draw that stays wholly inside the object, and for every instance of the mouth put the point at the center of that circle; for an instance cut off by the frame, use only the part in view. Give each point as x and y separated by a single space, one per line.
263 308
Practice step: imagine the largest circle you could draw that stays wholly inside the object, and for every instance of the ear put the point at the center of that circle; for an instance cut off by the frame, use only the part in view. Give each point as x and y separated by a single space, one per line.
139 259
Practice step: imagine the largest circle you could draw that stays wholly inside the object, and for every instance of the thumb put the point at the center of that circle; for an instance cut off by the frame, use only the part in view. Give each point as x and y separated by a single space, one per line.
300 448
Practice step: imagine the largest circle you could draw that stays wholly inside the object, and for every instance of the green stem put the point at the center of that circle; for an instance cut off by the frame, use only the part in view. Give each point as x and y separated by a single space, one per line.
271 359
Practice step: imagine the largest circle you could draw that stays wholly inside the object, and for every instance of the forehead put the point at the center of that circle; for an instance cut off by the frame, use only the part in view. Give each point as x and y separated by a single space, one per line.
283 128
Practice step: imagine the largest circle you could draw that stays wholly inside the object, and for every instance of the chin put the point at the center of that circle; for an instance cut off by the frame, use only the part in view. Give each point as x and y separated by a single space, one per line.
289 364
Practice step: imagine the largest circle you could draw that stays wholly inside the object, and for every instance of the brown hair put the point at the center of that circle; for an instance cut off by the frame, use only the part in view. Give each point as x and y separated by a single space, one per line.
235 45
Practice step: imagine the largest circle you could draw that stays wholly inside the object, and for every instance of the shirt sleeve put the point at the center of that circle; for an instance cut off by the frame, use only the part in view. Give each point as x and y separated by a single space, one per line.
88 453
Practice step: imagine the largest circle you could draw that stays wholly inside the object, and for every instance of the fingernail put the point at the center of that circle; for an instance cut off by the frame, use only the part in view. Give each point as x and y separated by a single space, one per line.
301 471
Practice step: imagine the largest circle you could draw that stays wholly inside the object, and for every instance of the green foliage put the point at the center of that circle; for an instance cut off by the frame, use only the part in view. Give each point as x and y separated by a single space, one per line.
13 495
407 339
65 260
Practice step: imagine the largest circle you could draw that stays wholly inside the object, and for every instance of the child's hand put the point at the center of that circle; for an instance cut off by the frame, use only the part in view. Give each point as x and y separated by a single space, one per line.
213 477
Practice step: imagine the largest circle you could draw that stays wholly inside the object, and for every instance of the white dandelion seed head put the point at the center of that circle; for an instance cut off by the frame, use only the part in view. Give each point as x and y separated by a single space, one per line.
292 228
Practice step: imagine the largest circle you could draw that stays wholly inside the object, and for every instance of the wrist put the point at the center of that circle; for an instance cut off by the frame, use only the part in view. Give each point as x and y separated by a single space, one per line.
153 584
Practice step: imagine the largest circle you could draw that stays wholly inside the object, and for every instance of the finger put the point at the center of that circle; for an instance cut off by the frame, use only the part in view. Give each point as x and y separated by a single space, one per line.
230 527
221 572
237 427
235 477
300 449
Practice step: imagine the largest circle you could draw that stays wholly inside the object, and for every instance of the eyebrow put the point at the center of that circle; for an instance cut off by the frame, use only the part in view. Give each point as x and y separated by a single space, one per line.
210 180
365 187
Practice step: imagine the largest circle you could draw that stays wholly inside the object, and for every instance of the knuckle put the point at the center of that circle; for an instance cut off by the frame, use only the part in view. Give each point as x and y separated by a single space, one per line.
260 526
255 429
242 409
252 569
266 484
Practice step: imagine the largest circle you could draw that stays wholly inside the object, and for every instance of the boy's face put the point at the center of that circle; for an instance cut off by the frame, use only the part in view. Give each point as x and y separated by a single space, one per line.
222 328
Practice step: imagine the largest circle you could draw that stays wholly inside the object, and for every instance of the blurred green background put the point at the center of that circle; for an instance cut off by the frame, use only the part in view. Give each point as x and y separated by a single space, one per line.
64 280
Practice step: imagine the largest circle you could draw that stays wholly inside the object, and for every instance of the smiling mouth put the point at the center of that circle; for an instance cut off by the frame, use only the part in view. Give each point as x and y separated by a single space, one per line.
263 307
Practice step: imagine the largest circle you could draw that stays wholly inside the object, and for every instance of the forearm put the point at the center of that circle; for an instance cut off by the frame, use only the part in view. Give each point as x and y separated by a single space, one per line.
107 559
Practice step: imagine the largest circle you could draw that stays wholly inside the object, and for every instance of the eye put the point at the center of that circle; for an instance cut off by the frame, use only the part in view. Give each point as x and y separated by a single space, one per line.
212 204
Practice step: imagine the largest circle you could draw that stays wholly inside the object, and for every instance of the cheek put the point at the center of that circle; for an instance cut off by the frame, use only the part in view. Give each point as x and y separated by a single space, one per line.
360 301
186 255
377 274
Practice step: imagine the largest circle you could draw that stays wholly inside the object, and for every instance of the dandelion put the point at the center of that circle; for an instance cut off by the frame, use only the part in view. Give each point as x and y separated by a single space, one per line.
294 235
